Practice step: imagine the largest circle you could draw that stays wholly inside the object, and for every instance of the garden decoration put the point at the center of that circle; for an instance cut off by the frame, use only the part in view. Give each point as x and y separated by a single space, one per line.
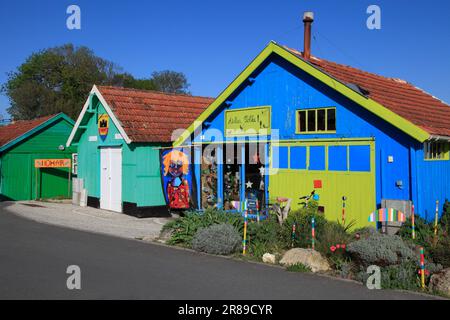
244 242
313 232
436 218
387 215
344 198
294 226
413 227
422 268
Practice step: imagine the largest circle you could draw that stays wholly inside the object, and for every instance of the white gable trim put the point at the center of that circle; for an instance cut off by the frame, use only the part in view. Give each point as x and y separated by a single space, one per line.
108 110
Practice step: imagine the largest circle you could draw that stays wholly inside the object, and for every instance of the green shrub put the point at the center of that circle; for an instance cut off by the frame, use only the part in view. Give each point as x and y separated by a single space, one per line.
302 218
382 250
328 233
445 218
424 232
298 267
184 228
264 237
441 253
222 239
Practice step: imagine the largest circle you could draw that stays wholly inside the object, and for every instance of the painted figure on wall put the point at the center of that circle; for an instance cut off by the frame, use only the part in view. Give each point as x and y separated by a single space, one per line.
176 179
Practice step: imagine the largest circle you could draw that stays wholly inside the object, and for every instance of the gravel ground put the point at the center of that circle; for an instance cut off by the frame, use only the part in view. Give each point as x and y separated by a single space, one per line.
87 219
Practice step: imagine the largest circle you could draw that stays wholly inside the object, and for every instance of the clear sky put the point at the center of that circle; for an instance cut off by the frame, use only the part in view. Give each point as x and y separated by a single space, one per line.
212 41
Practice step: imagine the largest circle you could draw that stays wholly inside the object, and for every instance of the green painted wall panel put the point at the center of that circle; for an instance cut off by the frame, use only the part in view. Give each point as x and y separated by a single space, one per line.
18 175
141 179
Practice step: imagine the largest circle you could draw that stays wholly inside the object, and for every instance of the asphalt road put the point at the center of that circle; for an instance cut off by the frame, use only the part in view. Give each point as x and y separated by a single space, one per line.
34 258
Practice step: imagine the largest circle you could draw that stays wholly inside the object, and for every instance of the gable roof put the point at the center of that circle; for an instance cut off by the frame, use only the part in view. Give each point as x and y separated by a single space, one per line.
146 116
18 131
401 97
388 98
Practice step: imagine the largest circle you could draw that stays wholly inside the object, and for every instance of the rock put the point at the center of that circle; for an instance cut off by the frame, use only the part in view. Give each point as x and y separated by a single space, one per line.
440 282
308 257
268 258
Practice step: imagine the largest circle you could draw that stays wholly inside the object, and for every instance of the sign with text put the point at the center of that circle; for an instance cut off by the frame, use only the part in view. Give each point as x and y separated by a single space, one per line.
52 163
247 122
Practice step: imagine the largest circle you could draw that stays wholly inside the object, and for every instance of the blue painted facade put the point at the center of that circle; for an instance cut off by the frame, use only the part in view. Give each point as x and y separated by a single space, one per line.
286 88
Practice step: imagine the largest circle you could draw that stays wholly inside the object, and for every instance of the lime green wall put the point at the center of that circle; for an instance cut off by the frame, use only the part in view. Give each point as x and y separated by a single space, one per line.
358 187
141 178
18 175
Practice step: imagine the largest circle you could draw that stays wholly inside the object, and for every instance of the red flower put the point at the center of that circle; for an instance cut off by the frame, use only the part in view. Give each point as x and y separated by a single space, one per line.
343 246
338 246
333 249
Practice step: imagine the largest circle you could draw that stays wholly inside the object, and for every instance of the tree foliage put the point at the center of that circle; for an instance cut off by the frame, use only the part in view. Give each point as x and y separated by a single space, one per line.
59 79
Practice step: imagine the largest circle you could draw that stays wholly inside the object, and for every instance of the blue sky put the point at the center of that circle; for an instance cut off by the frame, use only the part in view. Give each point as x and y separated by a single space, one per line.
212 41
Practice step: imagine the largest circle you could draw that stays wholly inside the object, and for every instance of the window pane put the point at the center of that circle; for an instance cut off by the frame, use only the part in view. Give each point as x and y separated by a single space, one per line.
321 120
311 120
317 158
302 121
331 119
298 157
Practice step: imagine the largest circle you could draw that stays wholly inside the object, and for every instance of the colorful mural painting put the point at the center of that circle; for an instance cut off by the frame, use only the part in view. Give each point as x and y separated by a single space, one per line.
177 179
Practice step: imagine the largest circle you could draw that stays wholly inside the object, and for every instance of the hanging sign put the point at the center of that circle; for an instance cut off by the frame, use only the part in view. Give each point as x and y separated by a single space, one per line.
247 122
103 125
52 163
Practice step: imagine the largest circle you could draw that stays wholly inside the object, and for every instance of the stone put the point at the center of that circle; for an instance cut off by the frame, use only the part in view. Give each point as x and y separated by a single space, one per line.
440 282
308 257
269 258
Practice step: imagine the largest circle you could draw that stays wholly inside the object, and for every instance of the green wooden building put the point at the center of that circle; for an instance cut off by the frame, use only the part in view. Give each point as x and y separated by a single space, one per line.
21 143
119 134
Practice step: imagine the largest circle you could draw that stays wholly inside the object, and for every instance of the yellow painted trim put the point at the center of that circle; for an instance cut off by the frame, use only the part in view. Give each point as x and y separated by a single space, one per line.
297 124
369 104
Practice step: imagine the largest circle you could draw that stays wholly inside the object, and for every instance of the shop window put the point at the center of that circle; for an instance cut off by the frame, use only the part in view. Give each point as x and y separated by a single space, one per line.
209 177
359 158
282 155
337 158
317 158
298 158
436 150
321 120
232 161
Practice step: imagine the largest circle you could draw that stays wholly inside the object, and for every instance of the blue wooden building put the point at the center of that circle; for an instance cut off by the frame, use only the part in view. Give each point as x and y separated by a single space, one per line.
291 123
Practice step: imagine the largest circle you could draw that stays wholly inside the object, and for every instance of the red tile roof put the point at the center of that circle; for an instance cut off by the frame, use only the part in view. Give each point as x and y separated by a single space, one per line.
18 128
401 97
151 116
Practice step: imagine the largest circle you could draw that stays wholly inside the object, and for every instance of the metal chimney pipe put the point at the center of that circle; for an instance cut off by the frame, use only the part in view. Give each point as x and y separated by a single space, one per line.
308 18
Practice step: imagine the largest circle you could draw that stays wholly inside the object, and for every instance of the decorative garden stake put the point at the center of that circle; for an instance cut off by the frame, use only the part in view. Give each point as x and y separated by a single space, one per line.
244 242
344 198
413 227
293 234
422 268
436 218
313 232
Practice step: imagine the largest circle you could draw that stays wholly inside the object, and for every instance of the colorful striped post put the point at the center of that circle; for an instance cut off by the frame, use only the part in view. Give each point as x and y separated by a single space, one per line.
436 218
313 232
294 226
413 226
244 242
422 268
344 198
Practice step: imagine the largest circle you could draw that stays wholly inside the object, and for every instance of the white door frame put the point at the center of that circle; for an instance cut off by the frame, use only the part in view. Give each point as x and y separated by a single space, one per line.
111 178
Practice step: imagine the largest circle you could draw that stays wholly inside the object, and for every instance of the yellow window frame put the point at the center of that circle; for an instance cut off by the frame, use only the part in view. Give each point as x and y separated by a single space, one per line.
326 131
445 150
